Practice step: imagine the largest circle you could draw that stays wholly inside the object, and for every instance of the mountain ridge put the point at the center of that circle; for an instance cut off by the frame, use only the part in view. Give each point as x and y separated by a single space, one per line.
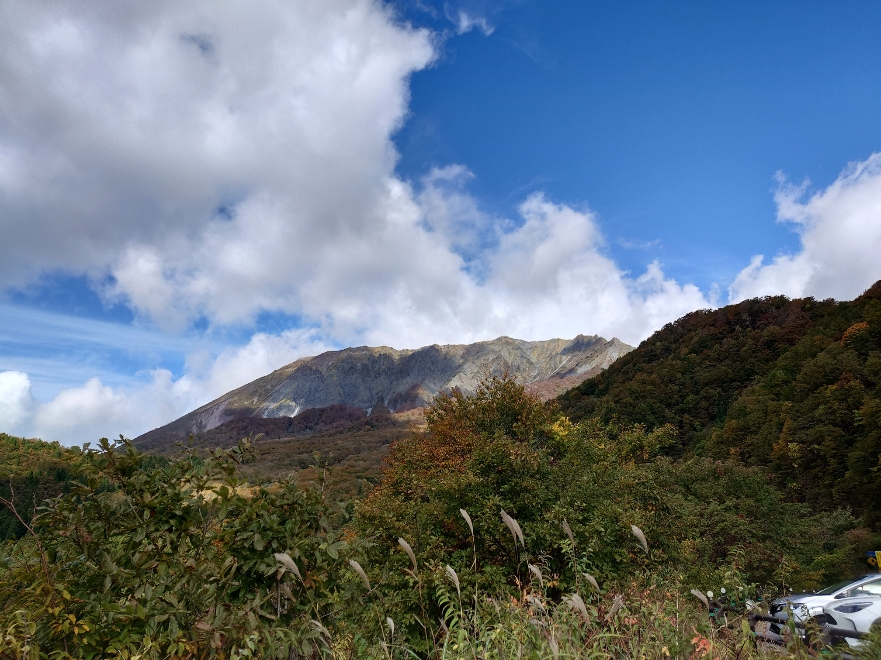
401 379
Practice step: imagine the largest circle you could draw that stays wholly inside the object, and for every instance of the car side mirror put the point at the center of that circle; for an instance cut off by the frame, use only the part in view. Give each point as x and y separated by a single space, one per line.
841 595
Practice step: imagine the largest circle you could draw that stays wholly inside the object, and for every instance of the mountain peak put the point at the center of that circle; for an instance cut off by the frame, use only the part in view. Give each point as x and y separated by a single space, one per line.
396 380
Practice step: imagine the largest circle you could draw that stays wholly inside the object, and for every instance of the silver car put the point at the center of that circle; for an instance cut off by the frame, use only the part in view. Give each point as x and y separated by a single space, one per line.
859 613
805 607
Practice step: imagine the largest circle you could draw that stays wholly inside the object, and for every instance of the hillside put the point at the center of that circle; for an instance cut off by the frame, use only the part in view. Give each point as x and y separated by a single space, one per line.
794 385
402 380
31 471
346 440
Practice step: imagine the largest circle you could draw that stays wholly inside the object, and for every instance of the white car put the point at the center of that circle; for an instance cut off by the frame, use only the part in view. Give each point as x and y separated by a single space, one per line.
810 606
859 614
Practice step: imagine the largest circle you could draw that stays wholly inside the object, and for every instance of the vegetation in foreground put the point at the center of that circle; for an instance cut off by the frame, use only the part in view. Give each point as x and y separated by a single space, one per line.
505 531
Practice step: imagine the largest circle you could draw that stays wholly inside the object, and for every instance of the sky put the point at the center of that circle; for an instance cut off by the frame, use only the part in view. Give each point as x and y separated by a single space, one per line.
194 193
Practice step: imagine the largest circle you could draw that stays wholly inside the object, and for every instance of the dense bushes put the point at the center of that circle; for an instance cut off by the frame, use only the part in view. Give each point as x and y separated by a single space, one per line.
30 472
174 561
182 559
699 514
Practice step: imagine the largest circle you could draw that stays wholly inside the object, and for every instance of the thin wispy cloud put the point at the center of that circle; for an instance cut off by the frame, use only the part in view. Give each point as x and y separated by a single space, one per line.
638 245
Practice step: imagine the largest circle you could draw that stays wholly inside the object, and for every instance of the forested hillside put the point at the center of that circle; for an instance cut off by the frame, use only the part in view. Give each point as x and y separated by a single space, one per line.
794 385
31 471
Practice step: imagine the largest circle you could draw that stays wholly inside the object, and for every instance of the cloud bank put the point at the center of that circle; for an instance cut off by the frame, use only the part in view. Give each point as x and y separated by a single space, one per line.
94 410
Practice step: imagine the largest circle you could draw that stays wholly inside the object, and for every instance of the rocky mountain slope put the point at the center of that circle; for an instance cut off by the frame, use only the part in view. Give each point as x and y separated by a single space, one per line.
399 379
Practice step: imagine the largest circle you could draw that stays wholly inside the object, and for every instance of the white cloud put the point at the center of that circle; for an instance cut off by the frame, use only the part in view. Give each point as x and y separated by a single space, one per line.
220 161
15 401
125 131
207 378
840 232
552 277
466 21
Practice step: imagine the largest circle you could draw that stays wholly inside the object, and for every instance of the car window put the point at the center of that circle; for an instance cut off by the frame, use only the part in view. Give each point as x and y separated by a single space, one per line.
828 591
872 588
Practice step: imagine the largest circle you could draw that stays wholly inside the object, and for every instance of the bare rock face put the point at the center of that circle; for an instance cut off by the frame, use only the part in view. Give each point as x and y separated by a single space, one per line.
402 380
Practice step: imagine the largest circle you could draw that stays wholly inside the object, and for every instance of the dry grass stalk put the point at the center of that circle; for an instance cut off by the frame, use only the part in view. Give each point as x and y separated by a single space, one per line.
406 547
285 560
360 571
637 532
514 526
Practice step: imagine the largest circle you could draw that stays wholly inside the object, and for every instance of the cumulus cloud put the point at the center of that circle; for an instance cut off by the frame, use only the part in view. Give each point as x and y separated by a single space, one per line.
198 151
840 234
215 161
16 400
556 267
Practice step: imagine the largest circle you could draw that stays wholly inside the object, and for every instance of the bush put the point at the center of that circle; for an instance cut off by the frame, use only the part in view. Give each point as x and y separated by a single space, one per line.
179 561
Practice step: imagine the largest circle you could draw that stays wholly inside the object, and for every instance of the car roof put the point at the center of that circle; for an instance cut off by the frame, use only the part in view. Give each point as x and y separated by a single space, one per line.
839 601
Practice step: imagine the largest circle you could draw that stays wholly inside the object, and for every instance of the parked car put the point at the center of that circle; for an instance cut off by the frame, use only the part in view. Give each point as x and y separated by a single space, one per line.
860 613
810 605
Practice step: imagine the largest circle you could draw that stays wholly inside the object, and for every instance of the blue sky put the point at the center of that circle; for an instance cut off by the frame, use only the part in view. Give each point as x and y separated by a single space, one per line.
668 119
192 195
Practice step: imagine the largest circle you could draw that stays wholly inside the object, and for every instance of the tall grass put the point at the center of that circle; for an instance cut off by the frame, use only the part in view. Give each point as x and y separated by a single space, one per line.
652 615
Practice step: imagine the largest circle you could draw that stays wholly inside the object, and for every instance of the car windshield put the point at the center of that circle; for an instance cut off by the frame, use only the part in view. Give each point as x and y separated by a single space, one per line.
828 591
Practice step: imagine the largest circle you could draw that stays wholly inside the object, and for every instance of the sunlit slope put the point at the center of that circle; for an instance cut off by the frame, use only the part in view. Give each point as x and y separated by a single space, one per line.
399 379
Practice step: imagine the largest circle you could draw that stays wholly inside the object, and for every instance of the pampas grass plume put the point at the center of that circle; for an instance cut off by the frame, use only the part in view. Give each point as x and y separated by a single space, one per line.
285 560
406 547
535 570
568 531
468 520
320 628
514 526
576 603
700 597
593 581
451 574
637 532
617 604
360 571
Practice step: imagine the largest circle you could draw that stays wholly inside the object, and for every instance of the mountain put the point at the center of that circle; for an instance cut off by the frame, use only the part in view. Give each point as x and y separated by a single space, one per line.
791 385
401 380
